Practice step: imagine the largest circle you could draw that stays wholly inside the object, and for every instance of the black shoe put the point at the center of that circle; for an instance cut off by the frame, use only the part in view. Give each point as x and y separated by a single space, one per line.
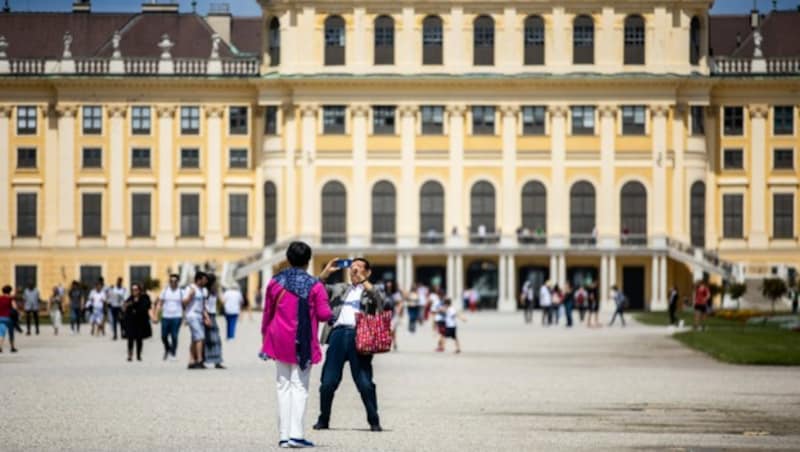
138 358
218 366
320 426
13 350
375 428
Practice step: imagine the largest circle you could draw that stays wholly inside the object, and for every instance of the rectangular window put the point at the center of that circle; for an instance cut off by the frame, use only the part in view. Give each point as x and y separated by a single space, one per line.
190 158
271 120
26 157
92 158
92 120
698 120
582 120
432 119
333 120
89 275
237 158
26 120
783 159
238 215
633 120
533 120
237 120
140 158
483 120
190 120
734 121
190 215
92 214
25 275
26 215
733 159
140 215
732 214
139 274
383 120
140 120
783 216
783 117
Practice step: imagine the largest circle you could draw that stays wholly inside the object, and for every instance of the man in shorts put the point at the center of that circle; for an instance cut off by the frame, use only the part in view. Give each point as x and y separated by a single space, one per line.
702 296
196 318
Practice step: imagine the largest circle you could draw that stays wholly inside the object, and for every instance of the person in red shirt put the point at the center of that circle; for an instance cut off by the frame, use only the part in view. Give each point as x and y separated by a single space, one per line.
702 298
7 303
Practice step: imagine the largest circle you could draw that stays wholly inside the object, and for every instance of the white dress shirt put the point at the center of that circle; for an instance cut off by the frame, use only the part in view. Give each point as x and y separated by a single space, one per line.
351 305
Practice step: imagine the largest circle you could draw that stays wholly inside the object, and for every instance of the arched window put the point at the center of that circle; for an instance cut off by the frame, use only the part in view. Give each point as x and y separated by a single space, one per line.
483 41
270 213
334 213
583 40
534 213
582 214
383 212
384 40
534 40
633 214
274 42
431 213
697 214
694 41
432 40
334 41
481 203
634 40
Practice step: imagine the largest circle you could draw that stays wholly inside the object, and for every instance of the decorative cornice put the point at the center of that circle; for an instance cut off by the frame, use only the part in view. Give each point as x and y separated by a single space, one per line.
608 111
48 110
359 109
117 110
5 110
66 110
307 110
509 110
758 111
214 111
659 110
165 111
456 109
407 110
558 111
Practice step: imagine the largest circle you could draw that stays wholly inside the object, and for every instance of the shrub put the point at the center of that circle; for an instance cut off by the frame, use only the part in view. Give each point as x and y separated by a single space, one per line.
774 288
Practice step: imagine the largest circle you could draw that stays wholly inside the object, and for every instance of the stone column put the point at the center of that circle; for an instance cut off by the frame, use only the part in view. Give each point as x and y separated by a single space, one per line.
410 271
288 225
5 176
454 202
213 201
558 50
454 55
165 237
408 56
459 275
659 234
51 171
66 177
359 229
757 238
603 284
451 276
608 228
679 193
562 269
558 212
712 132
309 218
407 195
510 198
509 303
400 271
663 290
553 268
116 179
502 282
358 44
654 280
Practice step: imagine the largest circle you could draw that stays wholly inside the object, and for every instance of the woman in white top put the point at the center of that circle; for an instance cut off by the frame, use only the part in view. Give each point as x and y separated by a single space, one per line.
97 302
54 306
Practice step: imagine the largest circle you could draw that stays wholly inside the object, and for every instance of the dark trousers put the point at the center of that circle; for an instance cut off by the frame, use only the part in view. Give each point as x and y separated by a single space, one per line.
35 315
620 312
547 315
568 313
75 319
582 311
413 318
138 342
673 319
341 348
169 334
528 311
230 324
115 320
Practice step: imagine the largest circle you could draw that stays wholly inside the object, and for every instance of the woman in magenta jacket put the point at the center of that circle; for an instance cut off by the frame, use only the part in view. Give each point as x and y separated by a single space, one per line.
294 304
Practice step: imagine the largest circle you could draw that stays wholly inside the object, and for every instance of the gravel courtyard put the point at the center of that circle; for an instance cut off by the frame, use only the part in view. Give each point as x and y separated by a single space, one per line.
515 387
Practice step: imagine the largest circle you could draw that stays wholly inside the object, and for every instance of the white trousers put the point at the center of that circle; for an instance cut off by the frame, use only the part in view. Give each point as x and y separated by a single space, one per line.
292 397
55 319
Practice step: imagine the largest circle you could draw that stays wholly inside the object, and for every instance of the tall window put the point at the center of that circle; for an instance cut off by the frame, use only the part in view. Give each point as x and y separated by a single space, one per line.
697 214
190 120
582 214
237 158
733 159
633 214
237 120
431 213
271 120
190 215
633 119
140 158
783 216
190 158
533 120
634 40
733 121
534 40
582 120
432 40
92 214
334 41
92 158
237 215
432 119
139 274
140 120
783 120
26 120
698 120
26 215
534 213
25 275
783 158
26 157
274 42
92 120
482 210
333 119
483 120
483 41
383 119
383 212
694 41
140 207
270 213
732 216
384 40
89 275
334 213
583 40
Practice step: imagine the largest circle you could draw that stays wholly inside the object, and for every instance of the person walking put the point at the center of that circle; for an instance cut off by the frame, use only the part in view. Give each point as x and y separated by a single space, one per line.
673 305
96 303
75 295
436 297
619 301
55 308
451 317
136 317
702 295
31 298
546 303
568 301
581 302
527 296
412 306
7 305
295 303
169 303
196 318
232 303
558 303
212 346
348 300
593 321
116 296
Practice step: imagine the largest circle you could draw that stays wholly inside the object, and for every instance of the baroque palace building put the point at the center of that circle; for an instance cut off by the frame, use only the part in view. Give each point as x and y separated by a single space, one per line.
464 143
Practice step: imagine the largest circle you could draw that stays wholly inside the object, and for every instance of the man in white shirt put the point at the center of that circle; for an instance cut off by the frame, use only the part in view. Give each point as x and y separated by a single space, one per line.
196 318
170 302
116 296
546 302
232 301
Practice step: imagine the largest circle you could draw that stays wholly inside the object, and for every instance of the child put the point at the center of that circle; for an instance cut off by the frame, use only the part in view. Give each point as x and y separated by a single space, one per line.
96 303
450 323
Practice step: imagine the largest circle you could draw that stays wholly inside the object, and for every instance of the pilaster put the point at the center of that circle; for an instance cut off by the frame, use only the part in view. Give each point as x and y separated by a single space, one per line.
659 115
757 238
116 180
558 212
510 204
165 236
454 211
5 176
679 212
608 214
213 201
358 229
51 171
66 177
407 196
290 135
309 220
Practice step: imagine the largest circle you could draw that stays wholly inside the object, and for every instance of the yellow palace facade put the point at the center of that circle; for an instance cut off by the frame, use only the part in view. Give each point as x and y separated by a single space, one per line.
465 144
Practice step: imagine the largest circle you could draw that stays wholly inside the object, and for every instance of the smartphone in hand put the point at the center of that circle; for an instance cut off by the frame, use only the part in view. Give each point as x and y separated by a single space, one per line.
344 263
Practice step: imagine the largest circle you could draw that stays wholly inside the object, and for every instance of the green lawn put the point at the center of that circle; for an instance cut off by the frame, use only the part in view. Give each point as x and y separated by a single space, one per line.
662 319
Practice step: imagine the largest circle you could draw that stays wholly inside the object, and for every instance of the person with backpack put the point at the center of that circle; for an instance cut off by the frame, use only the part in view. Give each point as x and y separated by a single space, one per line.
619 300
170 303
581 299
527 296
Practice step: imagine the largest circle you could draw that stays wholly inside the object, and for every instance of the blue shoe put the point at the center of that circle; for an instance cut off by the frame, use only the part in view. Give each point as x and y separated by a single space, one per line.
299 443
283 444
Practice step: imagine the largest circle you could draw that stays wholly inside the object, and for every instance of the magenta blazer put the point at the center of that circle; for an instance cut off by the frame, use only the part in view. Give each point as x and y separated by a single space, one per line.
279 323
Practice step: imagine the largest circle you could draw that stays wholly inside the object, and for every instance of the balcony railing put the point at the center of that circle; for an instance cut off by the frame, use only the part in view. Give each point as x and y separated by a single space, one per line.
750 66
133 66
583 240
92 66
633 240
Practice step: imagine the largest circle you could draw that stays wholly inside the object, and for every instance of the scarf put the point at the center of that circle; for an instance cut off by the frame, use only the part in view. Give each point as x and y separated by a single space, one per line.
299 283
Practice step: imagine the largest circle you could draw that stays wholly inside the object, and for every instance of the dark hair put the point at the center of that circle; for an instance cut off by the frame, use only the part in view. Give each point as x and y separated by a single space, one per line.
448 301
99 281
174 275
199 275
7 289
298 254
365 261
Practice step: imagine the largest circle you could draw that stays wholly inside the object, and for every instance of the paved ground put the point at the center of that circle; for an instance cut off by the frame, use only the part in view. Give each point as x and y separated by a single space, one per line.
515 387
